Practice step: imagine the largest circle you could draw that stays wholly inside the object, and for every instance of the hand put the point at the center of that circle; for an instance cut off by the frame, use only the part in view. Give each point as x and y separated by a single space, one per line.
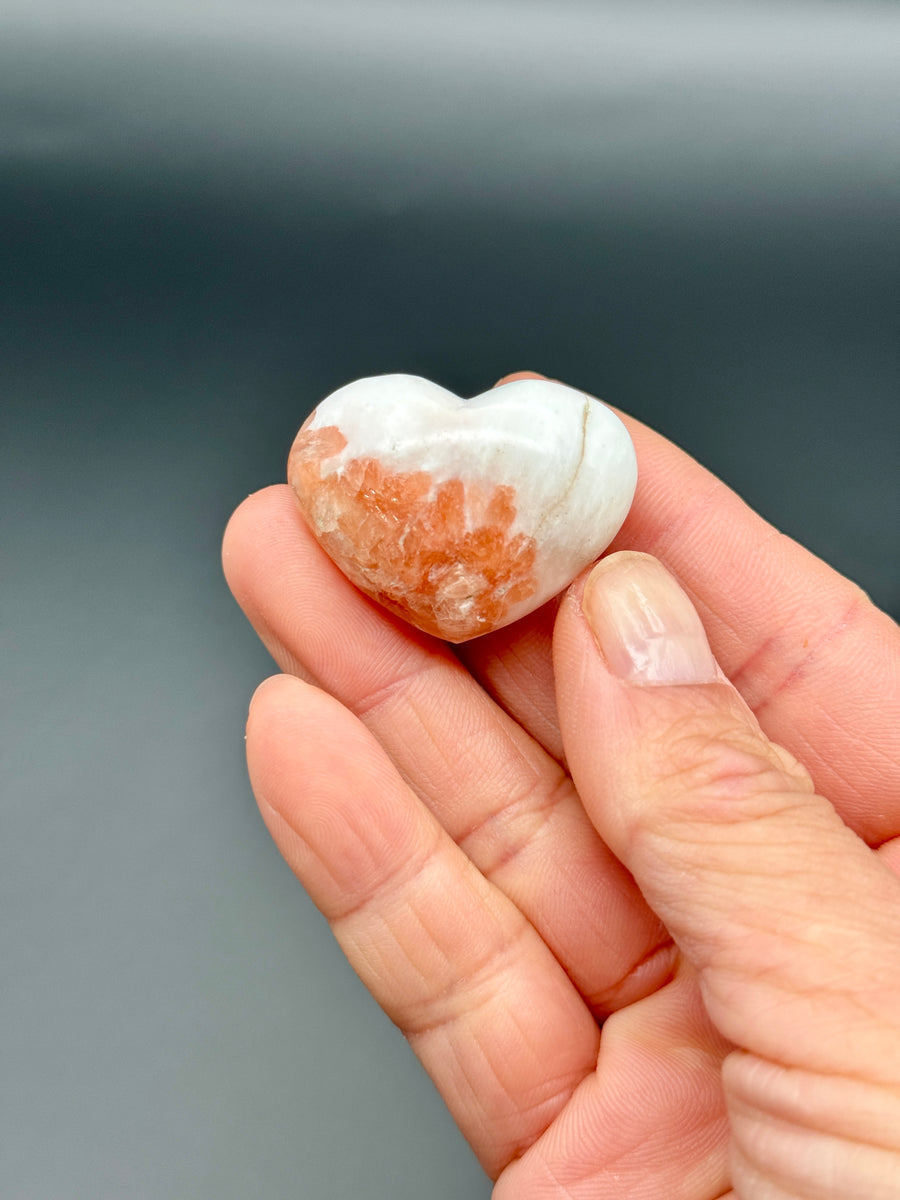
508 872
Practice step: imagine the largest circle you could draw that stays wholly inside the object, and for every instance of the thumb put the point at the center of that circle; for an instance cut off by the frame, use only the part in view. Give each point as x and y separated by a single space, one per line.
791 922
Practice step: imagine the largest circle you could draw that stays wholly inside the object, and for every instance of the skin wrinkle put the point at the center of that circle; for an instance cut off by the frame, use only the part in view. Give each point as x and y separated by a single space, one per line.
806 1100
406 694
368 707
544 811
724 804
722 762
402 691
760 921
874 1012
467 1082
845 1146
449 755
768 1014
548 1099
749 668
373 706
437 1009
539 719
680 835
542 1112
545 1109
368 704
606 1002
550 778
670 835
559 1089
873 748
394 652
751 1125
787 941
506 936
273 816
824 1073
381 957
665 1039
863 827
407 871
812 650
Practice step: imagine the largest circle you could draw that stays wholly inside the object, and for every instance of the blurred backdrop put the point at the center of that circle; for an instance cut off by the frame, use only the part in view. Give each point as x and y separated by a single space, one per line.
213 214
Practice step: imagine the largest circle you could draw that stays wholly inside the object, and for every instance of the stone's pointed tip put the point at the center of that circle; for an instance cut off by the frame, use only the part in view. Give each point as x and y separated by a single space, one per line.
458 516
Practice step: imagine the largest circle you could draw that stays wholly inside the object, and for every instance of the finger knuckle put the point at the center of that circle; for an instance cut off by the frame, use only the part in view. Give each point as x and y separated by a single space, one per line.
727 766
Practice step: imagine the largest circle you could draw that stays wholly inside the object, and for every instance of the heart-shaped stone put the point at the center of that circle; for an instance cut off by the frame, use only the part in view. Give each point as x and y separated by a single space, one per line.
462 515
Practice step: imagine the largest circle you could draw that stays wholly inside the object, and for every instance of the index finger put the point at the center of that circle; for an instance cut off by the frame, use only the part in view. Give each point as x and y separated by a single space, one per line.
817 662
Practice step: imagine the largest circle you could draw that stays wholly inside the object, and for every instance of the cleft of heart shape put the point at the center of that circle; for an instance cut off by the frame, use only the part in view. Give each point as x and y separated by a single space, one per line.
462 516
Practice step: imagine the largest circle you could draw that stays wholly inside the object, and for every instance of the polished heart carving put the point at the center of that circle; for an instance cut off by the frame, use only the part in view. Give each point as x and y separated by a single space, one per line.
462 516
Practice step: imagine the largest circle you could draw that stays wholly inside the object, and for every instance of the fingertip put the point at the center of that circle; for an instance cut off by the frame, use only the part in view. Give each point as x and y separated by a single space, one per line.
251 516
275 691
251 503
281 719
276 704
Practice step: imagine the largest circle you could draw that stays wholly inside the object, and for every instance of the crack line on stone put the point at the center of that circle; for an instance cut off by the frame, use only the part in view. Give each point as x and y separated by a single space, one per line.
564 497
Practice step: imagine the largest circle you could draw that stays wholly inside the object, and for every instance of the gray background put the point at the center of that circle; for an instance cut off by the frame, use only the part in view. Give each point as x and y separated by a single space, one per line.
210 216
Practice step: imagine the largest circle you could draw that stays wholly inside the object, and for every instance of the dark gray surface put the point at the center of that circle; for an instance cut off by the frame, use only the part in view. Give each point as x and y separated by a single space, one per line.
211 216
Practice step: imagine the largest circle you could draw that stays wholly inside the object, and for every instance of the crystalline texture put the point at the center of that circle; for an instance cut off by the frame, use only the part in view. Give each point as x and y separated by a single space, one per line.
441 556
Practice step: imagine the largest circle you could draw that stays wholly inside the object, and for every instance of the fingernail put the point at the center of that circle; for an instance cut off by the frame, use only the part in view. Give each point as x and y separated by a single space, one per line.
647 629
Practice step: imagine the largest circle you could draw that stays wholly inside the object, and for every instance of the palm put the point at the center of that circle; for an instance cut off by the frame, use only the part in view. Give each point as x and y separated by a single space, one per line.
442 837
